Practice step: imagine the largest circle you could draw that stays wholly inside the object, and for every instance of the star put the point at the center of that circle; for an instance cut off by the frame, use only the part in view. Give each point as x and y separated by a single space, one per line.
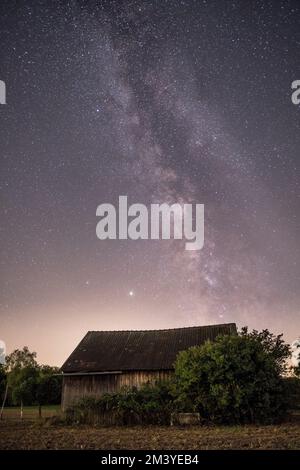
164 106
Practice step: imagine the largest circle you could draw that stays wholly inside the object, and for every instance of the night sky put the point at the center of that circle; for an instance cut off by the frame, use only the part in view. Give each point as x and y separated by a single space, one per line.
162 101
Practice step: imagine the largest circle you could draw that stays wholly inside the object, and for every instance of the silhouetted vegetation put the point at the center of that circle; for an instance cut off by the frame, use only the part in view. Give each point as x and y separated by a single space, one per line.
24 382
151 404
292 392
235 379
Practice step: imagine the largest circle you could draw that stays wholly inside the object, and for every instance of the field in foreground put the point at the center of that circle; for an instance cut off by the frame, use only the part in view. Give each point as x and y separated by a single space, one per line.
26 435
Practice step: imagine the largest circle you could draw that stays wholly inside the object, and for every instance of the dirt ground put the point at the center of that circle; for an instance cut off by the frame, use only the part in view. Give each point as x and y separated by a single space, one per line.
26 435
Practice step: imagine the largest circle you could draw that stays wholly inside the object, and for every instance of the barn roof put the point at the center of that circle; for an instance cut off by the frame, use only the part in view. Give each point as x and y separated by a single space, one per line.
103 351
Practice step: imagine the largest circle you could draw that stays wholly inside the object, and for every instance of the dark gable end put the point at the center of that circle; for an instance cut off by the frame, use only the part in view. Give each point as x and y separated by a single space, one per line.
109 351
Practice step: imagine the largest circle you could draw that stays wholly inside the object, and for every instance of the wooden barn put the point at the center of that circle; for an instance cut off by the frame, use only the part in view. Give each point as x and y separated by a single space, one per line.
105 361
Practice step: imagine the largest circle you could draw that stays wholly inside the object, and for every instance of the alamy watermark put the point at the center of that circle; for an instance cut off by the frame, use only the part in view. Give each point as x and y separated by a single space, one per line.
2 92
296 93
165 221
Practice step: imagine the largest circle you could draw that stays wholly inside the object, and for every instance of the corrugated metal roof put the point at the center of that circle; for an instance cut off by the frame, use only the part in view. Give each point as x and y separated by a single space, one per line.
138 350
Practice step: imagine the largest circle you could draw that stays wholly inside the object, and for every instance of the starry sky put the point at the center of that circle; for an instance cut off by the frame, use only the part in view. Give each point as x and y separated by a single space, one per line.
162 101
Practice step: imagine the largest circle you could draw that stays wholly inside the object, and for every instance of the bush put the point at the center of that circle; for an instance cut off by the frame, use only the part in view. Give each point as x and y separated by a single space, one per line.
236 379
48 386
151 404
292 392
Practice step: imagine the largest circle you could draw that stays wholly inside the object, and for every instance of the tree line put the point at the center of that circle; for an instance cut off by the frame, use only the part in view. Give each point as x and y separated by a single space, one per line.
242 378
23 382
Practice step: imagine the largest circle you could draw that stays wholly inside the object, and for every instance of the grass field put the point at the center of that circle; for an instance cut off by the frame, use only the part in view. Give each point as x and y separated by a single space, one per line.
27 435
30 412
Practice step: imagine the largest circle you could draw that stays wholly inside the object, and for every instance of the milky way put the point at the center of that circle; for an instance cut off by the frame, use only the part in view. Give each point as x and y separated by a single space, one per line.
180 101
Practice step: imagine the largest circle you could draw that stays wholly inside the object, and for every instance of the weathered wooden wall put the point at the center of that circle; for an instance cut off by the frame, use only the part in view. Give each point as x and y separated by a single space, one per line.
78 386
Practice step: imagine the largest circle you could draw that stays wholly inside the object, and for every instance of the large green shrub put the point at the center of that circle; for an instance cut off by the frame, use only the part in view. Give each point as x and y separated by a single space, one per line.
236 379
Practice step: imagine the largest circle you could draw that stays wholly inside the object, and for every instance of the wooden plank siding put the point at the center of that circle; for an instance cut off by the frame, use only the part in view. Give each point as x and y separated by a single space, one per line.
76 387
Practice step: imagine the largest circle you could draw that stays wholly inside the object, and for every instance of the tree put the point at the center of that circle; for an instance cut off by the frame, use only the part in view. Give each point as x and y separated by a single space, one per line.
48 391
272 344
22 372
20 359
23 383
236 379
27 382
